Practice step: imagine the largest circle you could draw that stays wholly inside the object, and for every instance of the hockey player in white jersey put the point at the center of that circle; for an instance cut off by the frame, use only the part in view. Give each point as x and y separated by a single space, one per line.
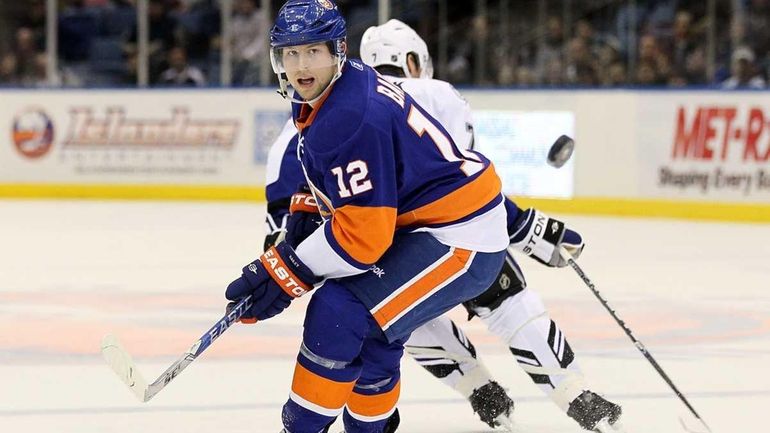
511 311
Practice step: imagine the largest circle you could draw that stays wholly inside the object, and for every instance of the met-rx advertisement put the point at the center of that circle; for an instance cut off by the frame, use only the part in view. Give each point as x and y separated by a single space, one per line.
710 147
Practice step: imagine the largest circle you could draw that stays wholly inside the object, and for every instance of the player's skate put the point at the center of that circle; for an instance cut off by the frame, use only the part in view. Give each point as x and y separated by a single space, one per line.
390 427
594 413
493 405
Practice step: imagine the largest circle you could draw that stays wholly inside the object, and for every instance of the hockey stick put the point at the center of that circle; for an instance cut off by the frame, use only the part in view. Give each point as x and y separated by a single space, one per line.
568 258
124 366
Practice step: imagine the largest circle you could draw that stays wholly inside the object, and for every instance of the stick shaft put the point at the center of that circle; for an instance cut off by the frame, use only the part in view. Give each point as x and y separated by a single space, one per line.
647 355
199 347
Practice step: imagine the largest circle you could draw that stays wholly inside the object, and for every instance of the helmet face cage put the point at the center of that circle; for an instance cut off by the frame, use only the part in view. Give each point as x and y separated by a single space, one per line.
304 22
390 44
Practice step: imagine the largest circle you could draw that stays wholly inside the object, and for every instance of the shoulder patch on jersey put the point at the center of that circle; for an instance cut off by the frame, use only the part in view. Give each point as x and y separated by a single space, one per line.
356 64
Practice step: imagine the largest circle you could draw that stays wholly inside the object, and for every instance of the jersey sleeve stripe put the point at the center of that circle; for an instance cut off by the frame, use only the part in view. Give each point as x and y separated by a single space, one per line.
458 204
319 390
364 232
445 270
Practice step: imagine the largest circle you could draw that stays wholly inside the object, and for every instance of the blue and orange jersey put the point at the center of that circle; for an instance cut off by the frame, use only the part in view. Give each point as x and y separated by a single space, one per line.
377 163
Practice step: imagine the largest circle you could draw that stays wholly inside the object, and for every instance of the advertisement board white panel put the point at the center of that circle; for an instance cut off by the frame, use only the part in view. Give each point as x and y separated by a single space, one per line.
137 137
518 144
705 146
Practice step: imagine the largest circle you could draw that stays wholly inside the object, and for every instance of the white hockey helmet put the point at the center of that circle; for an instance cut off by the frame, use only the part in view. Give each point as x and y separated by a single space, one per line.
389 44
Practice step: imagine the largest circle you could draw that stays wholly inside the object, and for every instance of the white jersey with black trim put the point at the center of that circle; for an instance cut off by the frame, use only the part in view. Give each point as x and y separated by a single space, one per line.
444 103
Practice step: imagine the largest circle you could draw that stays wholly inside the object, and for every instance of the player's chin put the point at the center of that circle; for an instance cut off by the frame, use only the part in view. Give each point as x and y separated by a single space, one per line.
309 94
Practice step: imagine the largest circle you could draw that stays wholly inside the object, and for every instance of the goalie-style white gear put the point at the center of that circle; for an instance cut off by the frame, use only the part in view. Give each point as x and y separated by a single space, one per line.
389 44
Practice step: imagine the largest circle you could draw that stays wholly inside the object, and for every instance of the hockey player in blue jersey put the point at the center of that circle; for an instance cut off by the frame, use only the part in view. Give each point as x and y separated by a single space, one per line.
511 309
412 227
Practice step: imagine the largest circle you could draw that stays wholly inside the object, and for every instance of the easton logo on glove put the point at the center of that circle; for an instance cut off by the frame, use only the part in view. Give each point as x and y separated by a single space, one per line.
281 274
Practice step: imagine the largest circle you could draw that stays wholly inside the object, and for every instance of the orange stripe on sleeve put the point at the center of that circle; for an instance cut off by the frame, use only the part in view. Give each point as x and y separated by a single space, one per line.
409 296
374 405
320 390
457 204
365 233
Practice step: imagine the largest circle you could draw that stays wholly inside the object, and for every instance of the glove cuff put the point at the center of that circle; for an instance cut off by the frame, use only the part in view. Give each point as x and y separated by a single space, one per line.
285 268
537 234
303 202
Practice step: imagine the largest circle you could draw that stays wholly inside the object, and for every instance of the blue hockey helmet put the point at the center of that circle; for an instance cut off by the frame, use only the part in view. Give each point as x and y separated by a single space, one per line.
302 22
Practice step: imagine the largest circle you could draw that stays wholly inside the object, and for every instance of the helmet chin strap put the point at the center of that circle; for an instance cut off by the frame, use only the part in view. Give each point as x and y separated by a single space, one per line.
283 85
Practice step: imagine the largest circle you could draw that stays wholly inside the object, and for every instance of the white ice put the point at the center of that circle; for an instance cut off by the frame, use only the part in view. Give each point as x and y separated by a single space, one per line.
696 294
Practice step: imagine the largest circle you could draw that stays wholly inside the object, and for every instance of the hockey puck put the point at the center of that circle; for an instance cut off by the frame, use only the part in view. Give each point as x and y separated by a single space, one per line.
561 151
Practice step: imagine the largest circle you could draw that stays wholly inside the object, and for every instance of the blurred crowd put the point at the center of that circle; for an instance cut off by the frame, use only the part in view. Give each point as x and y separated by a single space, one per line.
524 43
97 43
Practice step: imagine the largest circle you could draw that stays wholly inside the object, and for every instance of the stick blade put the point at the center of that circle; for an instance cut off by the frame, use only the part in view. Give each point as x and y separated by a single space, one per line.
124 366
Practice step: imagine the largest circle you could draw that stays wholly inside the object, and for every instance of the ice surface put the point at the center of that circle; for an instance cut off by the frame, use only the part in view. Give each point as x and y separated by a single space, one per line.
153 273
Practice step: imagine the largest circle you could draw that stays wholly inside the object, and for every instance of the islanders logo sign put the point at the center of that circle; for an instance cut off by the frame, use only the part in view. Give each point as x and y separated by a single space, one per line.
32 133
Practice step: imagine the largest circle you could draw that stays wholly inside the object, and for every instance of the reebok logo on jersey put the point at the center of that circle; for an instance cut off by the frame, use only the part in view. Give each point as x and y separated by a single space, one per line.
379 272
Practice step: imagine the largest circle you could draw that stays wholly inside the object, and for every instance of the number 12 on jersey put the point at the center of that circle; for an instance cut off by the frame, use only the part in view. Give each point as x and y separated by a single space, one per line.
358 171
354 180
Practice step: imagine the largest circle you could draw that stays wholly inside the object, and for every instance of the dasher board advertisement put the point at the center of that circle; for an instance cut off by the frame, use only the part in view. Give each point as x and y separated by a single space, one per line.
705 146
518 143
156 137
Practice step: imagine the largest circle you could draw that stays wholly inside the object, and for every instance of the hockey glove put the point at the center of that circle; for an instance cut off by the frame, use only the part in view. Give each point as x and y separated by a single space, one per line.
273 281
540 236
304 218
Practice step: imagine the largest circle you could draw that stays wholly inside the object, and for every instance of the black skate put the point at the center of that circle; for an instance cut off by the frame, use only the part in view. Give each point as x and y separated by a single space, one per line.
594 413
493 405
390 427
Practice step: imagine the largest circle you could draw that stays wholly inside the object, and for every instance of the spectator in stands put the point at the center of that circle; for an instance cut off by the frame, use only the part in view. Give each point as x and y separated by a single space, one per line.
646 75
744 73
162 36
616 75
681 42
180 73
78 26
34 20
37 76
581 66
758 28
650 55
249 30
554 73
25 51
199 31
552 47
9 70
